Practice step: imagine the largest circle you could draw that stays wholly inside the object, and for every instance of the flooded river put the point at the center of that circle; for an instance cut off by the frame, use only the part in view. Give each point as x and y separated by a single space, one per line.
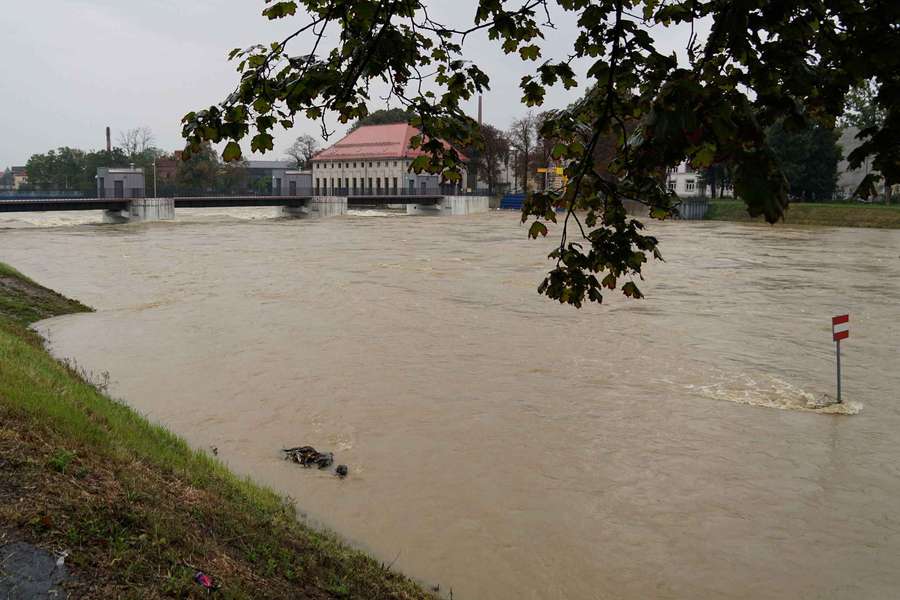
501 444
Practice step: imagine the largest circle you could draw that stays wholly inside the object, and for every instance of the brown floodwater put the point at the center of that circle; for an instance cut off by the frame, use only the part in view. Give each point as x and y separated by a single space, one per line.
499 443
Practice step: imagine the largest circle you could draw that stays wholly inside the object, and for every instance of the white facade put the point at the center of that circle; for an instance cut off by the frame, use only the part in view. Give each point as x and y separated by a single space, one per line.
364 176
688 183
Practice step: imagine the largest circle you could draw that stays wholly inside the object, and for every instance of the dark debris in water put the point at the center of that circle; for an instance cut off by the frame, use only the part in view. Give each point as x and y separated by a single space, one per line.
308 456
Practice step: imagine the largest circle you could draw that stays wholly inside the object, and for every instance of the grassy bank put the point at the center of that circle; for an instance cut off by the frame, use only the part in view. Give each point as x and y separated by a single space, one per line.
835 215
139 511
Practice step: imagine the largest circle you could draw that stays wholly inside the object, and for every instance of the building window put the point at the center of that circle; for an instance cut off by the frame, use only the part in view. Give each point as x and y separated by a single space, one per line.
370 184
331 187
689 185
317 185
395 184
378 183
395 163
346 183
354 184
671 186
370 164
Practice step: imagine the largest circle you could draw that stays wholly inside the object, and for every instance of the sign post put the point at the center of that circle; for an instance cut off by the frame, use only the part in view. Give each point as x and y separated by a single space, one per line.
840 330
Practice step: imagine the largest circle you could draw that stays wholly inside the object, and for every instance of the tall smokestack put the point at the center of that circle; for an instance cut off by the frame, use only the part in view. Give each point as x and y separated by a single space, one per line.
479 110
108 141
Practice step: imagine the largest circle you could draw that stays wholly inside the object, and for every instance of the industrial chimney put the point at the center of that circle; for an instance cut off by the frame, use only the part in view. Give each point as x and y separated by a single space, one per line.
479 110
108 141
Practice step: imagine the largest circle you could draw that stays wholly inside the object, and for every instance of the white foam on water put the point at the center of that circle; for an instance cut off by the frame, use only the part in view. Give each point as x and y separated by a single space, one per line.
370 213
771 392
50 219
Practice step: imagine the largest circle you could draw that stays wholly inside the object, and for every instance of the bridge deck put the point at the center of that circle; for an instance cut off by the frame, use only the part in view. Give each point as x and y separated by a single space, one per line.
75 204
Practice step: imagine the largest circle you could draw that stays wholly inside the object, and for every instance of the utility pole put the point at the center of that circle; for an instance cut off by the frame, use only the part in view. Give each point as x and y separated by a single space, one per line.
154 178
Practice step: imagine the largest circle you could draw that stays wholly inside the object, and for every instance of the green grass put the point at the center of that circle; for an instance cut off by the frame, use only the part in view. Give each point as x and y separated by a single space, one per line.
834 215
138 510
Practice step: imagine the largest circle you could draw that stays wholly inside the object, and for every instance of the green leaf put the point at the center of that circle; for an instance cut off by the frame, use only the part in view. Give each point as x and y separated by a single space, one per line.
537 228
232 152
262 142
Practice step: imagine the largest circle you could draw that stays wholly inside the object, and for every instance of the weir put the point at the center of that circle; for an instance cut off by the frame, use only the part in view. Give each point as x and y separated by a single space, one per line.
143 209
139 209
451 205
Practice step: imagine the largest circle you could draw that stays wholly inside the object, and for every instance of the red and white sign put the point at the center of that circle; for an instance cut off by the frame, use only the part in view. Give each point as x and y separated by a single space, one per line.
840 327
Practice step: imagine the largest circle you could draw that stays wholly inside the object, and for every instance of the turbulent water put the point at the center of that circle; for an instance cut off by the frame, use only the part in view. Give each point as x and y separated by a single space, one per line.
501 444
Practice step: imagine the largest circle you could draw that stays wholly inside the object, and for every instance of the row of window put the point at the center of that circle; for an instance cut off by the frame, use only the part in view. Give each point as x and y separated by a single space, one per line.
690 185
342 165
378 181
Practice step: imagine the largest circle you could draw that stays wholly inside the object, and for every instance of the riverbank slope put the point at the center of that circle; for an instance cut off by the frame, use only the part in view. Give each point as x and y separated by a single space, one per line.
137 510
834 215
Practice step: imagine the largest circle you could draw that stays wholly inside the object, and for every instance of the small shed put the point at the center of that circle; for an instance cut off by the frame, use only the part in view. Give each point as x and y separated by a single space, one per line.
120 182
290 182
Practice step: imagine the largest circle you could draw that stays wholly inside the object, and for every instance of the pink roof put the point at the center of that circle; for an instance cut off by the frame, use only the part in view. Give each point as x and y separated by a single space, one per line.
375 141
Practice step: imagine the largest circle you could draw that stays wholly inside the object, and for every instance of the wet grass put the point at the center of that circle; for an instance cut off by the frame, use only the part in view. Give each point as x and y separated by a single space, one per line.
833 215
137 509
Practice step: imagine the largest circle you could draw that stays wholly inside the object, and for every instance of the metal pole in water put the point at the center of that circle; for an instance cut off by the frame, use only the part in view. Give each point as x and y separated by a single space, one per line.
838 346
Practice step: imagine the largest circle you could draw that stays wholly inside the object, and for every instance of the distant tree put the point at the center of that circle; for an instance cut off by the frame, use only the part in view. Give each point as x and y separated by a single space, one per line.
60 169
234 178
523 138
384 117
302 150
6 178
492 156
862 109
717 176
135 142
199 174
808 158
71 169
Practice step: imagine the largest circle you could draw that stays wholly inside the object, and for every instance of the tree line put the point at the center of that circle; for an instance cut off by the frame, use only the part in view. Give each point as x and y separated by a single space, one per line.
73 170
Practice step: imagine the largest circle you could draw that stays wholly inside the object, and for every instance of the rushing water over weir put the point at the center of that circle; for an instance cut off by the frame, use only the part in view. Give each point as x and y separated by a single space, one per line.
500 443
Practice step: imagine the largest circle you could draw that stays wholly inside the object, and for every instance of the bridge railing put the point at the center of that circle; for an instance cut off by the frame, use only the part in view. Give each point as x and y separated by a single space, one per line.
304 192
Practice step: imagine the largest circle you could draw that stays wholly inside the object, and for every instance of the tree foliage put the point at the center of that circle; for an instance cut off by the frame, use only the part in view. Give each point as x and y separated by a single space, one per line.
492 156
863 110
808 158
198 173
523 138
71 169
136 142
384 116
763 61
302 150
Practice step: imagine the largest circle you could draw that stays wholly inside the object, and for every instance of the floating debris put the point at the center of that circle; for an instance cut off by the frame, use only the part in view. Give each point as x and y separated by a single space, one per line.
309 456
341 471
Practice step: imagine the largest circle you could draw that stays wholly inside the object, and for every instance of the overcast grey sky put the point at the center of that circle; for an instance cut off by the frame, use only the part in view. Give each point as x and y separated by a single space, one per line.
72 67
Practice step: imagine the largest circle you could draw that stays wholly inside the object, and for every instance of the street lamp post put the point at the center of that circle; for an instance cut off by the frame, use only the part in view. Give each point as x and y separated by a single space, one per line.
154 178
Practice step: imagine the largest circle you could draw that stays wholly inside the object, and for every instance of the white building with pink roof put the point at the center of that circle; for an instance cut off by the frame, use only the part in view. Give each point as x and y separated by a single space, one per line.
373 160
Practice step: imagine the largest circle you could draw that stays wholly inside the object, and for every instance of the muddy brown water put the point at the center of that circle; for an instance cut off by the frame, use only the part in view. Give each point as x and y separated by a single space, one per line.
501 444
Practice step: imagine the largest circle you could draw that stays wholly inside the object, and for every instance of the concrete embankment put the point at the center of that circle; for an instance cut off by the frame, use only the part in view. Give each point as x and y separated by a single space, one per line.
139 513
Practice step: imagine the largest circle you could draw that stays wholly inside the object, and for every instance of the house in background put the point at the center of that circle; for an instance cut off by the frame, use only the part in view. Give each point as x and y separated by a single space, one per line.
372 160
689 183
19 177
